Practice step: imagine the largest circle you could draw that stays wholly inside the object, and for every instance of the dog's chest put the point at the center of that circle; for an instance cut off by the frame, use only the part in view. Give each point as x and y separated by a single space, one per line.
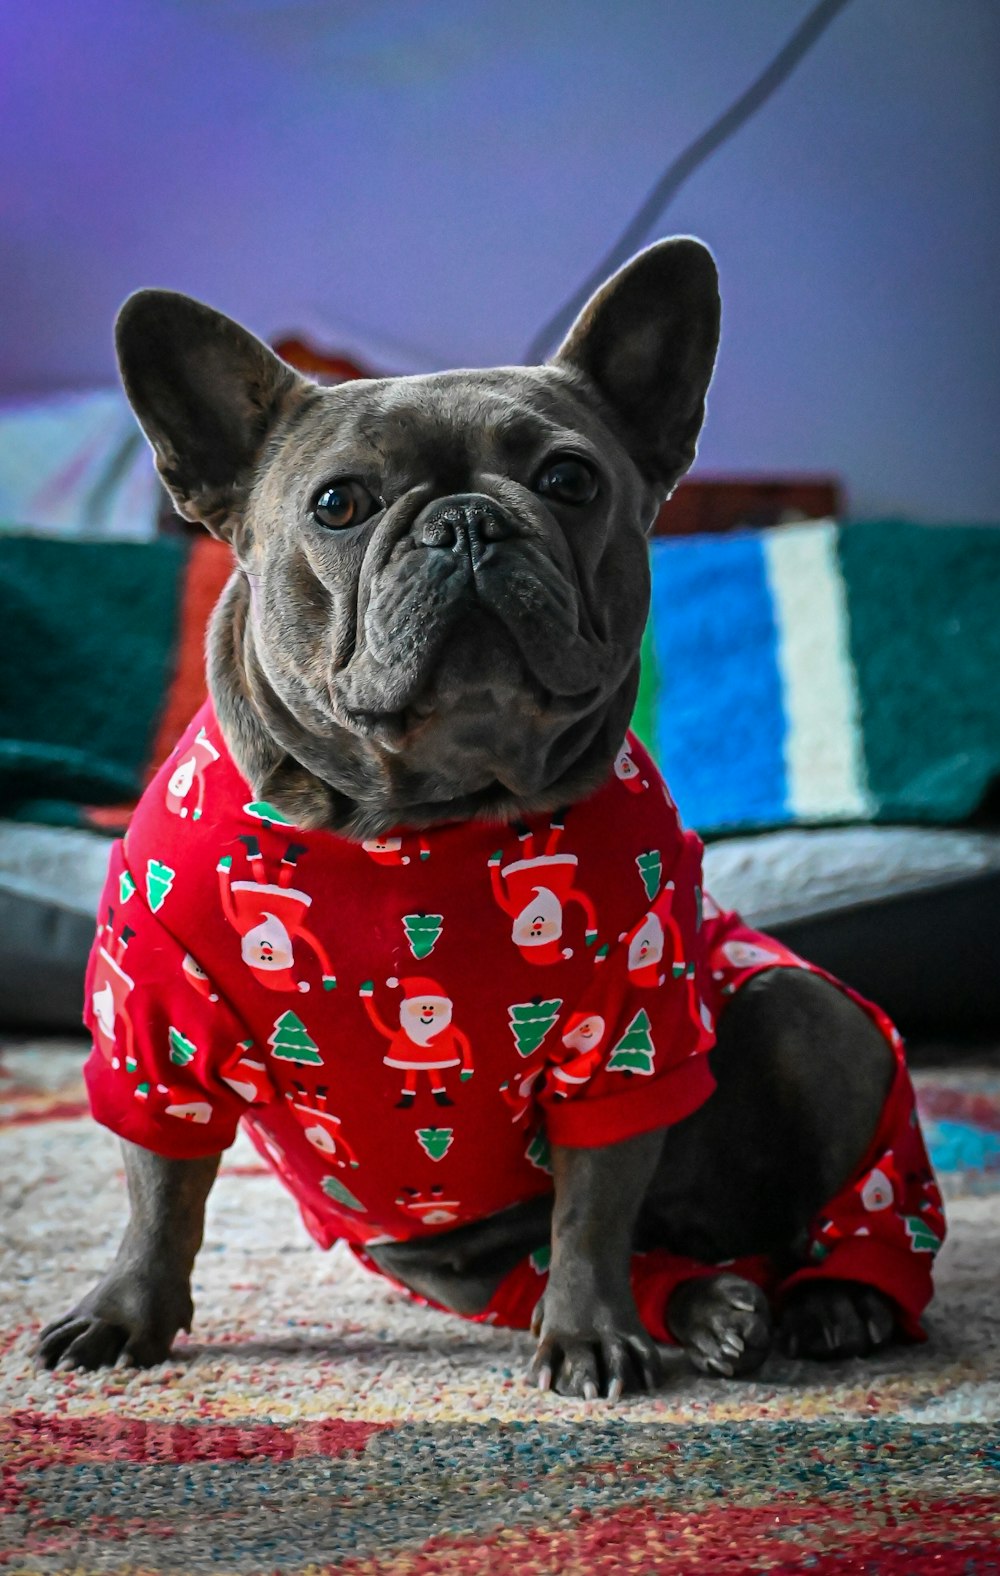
406 1000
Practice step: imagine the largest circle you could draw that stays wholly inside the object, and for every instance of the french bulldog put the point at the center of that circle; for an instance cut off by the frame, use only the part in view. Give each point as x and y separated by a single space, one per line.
440 589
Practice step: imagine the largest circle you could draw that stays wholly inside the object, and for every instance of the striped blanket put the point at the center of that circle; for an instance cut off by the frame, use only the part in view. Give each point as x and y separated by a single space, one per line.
806 675
820 673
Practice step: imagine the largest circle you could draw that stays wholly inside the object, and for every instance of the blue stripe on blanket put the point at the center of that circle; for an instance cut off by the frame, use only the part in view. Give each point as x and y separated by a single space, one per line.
720 722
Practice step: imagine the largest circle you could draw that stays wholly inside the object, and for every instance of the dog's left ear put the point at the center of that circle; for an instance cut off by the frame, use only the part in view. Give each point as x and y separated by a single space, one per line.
647 341
207 393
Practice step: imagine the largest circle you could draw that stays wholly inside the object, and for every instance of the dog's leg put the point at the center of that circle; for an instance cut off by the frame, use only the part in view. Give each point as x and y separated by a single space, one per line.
802 1075
590 1338
145 1298
463 1268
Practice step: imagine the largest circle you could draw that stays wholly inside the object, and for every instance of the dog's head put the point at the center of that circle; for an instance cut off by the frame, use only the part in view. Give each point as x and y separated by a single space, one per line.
442 581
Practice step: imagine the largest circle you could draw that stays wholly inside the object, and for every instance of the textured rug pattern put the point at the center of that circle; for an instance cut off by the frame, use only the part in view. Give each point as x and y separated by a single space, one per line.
316 1421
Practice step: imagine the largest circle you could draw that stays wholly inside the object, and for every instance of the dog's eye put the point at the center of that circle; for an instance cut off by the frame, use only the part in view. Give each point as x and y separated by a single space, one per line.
342 504
567 480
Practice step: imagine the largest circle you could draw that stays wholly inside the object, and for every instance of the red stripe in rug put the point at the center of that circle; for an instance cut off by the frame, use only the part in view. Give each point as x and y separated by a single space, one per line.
836 1538
38 1439
58 1111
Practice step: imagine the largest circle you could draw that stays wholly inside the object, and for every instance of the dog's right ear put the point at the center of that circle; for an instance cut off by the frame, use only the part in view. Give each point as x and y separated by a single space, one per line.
207 393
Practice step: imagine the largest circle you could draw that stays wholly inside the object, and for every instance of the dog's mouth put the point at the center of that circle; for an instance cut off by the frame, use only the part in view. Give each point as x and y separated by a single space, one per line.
479 677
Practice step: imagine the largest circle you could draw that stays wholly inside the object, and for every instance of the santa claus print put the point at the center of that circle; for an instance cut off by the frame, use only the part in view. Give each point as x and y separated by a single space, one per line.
426 1042
877 1190
583 1042
110 989
431 1208
270 917
197 1111
319 1124
188 774
735 956
645 943
628 772
391 851
197 978
535 891
248 1075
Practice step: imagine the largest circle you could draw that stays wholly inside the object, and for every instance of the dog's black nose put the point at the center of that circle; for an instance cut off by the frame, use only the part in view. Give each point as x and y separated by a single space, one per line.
465 523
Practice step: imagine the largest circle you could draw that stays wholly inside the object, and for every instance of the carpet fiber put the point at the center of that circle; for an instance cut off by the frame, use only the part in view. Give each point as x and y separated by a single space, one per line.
317 1422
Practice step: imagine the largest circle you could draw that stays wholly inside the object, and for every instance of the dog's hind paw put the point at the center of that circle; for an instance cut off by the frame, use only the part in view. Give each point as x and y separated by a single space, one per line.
831 1319
723 1323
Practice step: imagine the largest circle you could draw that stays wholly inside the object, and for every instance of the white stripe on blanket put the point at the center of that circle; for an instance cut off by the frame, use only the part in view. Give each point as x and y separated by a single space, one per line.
823 745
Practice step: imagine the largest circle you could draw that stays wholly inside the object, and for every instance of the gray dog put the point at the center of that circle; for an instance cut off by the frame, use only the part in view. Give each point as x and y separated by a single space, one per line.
434 623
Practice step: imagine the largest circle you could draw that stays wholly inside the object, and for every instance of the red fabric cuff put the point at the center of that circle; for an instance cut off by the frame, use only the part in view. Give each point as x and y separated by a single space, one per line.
591 1123
905 1278
115 1106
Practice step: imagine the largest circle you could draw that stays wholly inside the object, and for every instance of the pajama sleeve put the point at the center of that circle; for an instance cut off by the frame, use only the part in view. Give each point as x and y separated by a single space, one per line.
172 1068
633 1052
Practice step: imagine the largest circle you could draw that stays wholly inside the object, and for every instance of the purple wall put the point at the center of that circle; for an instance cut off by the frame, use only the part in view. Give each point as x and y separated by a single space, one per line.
424 182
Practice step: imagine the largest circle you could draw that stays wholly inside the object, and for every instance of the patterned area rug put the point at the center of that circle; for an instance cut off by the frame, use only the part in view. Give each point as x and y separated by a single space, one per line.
318 1422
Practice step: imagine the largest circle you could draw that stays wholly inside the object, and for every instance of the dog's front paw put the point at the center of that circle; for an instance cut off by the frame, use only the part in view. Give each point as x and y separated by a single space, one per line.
124 1316
605 1354
830 1319
723 1322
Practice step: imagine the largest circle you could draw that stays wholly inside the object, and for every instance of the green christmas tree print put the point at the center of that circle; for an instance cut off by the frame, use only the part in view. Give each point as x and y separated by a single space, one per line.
530 1022
540 1259
539 1152
335 1189
126 886
435 1141
422 932
159 880
922 1238
651 870
181 1048
262 811
290 1042
635 1050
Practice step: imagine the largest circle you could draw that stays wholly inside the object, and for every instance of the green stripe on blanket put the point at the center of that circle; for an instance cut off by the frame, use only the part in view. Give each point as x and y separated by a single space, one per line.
925 645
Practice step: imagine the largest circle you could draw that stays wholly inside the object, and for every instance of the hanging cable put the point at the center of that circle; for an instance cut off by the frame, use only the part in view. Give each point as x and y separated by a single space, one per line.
683 166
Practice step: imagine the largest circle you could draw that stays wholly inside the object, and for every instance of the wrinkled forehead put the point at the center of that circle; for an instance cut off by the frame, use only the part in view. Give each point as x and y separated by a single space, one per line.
445 425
